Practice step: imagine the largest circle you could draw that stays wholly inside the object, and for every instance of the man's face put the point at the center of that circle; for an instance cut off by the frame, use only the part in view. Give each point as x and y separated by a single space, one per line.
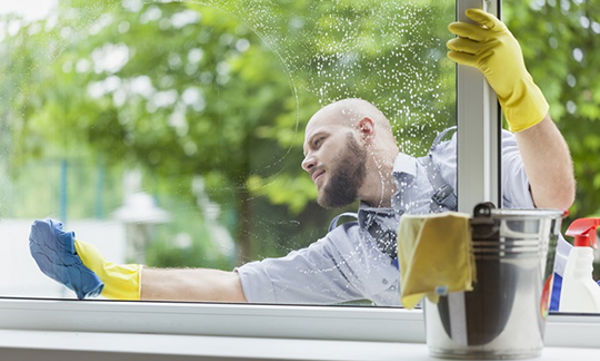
336 163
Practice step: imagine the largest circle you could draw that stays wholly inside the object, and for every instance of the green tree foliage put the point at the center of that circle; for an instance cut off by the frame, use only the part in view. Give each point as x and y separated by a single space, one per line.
560 41
222 89
215 89
181 102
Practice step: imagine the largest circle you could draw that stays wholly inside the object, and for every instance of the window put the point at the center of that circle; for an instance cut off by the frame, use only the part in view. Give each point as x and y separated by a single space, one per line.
196 114
171 133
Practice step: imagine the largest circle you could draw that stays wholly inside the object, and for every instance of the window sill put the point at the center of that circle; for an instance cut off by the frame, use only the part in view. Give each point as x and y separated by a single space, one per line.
54 345
50 329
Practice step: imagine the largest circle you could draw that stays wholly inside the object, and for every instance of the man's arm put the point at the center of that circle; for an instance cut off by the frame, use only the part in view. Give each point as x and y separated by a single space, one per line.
548 165
135 282
331 270
489 46
191 284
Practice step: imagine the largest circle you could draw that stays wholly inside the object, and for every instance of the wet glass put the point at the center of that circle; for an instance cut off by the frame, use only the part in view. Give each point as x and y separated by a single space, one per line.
171 134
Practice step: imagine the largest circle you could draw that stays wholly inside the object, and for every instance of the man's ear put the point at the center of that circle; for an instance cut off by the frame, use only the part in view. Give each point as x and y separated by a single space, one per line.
366 128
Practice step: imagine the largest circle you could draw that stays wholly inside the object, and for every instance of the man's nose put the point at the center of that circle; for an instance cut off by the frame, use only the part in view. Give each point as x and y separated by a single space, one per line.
308 163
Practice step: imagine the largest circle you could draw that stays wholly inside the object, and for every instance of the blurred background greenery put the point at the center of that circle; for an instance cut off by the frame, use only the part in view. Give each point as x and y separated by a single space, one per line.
207 100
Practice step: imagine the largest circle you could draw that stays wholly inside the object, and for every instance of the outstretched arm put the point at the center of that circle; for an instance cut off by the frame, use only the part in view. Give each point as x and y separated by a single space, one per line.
82 268
331 270
191 284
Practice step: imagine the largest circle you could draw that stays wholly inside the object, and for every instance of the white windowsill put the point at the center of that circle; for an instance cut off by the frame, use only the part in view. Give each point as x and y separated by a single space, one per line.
54 345
93 330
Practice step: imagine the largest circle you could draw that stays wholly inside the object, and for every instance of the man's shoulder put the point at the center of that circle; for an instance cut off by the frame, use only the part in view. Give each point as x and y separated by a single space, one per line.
342 236
346 229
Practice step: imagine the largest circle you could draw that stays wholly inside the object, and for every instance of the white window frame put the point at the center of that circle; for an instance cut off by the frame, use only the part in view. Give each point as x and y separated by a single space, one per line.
384 324
479 128
349 323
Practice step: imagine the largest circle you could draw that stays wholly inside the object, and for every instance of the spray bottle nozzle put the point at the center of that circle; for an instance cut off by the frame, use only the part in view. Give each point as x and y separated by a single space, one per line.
584 232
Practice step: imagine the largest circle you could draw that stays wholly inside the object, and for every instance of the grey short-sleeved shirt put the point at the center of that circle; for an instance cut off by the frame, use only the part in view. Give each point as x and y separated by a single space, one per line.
349 263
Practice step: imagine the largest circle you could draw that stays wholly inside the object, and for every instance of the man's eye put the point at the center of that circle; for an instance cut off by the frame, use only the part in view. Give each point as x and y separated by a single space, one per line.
318 142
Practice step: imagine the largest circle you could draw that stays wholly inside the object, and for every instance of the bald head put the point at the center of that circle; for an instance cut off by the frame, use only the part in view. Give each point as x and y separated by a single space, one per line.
349 112
345 147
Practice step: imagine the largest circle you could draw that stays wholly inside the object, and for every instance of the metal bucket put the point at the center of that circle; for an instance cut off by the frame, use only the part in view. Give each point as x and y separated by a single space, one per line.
501 318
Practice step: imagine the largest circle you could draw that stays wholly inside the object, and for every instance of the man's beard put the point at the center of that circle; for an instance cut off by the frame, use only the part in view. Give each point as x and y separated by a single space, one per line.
346 178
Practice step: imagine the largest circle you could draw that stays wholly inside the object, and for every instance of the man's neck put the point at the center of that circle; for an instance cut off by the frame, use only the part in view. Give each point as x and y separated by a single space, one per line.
379 186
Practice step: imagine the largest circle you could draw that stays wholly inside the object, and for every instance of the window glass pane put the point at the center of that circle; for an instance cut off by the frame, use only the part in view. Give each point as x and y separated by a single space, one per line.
570 31
171 134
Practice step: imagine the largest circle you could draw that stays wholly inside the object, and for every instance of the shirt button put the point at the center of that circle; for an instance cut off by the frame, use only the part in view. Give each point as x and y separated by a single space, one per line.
384 281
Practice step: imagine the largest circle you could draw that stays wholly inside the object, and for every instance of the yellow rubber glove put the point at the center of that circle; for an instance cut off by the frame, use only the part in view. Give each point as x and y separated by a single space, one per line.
490 47
121 281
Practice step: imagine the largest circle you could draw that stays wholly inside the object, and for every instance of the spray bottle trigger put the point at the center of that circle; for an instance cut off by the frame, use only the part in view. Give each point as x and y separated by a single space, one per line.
584 232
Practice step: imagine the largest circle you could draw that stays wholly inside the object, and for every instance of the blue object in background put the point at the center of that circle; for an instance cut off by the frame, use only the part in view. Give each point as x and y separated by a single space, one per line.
563 248
555 295
54 252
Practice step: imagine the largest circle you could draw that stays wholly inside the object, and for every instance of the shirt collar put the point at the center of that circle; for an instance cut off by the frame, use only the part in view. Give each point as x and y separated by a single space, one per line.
404 163
362 206
367 214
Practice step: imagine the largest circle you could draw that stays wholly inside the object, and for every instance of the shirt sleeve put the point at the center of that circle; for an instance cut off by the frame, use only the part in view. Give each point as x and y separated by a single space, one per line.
321 273
515 184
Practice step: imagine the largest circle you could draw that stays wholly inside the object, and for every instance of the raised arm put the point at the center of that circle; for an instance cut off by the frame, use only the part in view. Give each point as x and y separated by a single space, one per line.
548 165
489 46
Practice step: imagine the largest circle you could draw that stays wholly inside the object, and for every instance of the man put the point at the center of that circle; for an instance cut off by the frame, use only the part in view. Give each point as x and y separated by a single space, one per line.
350 153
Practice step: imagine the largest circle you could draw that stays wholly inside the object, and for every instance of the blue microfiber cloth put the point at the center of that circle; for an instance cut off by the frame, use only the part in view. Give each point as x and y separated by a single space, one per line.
54 252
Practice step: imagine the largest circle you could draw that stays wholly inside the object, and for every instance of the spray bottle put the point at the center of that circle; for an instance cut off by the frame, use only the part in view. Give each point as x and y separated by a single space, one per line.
579 292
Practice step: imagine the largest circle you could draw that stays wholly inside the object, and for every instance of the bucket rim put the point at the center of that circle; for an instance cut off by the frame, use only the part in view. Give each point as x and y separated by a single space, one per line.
529 213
